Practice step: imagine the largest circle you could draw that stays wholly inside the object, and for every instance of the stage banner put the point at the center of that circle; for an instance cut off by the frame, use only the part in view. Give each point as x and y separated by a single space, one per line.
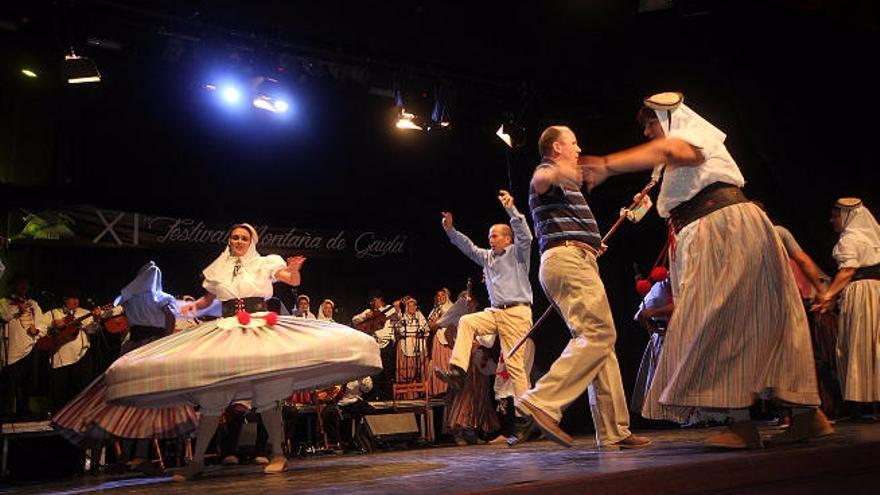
103 228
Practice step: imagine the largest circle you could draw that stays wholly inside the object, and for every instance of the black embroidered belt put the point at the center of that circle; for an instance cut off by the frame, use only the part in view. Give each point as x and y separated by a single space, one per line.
249 304
711 198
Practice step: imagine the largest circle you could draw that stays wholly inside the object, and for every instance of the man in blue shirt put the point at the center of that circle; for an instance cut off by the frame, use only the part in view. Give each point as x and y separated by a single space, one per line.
506 268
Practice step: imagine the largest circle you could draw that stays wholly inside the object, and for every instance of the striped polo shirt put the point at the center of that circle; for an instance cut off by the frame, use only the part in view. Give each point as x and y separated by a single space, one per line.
562 214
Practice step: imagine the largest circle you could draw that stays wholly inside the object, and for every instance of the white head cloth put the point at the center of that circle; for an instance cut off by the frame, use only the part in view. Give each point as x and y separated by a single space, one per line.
321 310
255 273
148 280
687 124
859 243
681 183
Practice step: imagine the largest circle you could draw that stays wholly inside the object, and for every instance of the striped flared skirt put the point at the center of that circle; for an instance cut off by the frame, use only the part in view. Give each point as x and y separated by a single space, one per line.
858 341
739 329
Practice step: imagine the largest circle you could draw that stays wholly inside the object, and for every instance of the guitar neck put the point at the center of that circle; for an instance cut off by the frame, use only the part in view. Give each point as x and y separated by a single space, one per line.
86 316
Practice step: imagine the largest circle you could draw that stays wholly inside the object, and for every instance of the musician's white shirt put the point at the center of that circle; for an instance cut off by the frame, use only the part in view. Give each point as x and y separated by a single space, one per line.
20 343
384 335
73 351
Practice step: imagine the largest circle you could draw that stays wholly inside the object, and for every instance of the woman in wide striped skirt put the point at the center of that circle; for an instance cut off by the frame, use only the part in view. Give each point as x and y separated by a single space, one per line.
739 330
249 354
858 284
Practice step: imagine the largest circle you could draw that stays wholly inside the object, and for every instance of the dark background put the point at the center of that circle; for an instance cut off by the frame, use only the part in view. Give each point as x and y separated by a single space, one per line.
792 83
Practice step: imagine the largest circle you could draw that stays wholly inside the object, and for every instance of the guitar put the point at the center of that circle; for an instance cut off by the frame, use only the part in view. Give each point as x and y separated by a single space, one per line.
59 335
329 395
27 314
375 321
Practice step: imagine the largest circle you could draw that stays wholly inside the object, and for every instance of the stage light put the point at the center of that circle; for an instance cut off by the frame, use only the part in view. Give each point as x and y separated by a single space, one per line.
266 103
513 135
230 94
504 136
443 97
269 95
29 73
407 121
78 70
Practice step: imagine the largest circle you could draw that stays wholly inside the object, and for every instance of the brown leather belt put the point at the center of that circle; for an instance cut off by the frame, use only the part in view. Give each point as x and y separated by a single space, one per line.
510 305
578 244
711 198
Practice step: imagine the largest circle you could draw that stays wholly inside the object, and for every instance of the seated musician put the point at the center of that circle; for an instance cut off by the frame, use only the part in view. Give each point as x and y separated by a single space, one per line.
349 403
70 327
375 321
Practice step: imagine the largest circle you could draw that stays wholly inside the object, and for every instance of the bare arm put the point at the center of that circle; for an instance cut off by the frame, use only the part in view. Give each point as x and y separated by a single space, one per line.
200 303
544 178
810 269
547 176
290 275
671 151
825 300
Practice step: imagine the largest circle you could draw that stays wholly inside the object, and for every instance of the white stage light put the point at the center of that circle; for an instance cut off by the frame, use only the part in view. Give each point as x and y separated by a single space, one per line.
79 70
504 136
407 121
230 94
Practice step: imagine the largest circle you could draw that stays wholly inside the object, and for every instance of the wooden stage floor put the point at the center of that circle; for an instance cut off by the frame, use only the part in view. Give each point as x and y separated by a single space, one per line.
845 463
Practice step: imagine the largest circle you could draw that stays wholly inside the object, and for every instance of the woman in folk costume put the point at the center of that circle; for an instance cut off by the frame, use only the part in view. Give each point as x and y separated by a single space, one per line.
325 311
248 354
441 342
90 421
739 330
858 283
653 315
412 357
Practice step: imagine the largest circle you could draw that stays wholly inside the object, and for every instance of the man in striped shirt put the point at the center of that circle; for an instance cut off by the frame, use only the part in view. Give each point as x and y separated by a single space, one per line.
569 241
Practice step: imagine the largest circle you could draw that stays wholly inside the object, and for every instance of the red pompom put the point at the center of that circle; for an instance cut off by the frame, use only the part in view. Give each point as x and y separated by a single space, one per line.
271 318
243 317
659 274
643 286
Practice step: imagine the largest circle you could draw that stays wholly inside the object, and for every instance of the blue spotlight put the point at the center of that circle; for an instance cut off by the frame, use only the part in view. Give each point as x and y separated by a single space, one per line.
230 94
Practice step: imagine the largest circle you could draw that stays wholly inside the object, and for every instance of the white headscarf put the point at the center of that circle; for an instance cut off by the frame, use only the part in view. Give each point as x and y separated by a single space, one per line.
148 279
687 125
253 276
859 243
321 310
681 183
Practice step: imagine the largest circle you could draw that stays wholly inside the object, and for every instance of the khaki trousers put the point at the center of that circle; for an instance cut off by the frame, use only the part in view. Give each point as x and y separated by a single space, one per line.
510 325
570 278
